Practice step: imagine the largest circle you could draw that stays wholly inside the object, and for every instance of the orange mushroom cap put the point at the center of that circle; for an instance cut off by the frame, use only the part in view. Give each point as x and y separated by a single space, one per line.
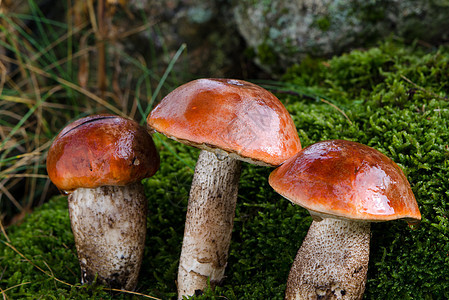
345 179
233 115
101 150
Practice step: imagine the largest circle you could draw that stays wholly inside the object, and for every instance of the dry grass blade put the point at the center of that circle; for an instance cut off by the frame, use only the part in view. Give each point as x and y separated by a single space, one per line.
29 261
339 110
305 92
25 159
21 100
68 84
3 71
3 292
4 231
39 93
17 175
10 196
436 96
133 293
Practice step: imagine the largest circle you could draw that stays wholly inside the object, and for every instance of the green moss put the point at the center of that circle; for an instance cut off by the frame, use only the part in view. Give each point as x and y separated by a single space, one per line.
396 100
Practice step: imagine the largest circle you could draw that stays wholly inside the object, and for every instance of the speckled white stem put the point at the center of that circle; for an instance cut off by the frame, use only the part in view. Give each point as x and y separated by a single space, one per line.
209 221
332 262
109 227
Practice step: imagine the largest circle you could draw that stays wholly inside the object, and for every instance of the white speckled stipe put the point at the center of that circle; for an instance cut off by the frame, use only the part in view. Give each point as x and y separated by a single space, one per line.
109 227
209 222
332 262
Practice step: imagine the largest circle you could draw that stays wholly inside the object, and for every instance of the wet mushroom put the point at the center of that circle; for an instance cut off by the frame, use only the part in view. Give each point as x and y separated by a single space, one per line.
231 121
345 186
99 162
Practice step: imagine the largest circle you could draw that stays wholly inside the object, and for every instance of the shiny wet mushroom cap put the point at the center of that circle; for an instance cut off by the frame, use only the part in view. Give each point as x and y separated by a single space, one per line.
99 161
231 121
101 150
228 116
345 179
344 185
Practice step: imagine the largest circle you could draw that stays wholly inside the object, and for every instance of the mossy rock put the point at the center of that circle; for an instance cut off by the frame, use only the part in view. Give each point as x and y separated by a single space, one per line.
392 98
287 31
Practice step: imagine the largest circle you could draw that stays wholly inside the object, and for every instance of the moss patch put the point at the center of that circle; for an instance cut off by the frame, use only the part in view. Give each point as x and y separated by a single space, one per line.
395 100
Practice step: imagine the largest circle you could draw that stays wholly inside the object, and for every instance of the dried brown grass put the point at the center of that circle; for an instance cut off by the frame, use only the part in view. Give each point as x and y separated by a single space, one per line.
55 71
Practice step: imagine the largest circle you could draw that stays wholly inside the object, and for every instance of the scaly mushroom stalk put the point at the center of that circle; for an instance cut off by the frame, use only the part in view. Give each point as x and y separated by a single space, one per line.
332 261
209 222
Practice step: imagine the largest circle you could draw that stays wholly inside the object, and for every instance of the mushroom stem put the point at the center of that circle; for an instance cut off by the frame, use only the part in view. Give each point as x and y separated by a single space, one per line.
209 221
109 227
332 261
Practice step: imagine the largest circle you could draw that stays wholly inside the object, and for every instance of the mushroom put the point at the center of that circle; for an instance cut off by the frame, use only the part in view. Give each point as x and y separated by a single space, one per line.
345 186
231 121
99 162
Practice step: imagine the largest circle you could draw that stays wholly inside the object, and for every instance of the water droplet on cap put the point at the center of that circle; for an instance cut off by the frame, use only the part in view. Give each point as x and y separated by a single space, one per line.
235 82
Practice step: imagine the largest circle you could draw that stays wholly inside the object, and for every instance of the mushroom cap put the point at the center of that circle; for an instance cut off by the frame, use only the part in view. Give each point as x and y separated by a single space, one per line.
101 150
228 116
344 179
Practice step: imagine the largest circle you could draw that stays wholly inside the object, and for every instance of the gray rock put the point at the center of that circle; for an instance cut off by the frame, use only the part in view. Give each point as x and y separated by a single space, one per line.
282 32
213 42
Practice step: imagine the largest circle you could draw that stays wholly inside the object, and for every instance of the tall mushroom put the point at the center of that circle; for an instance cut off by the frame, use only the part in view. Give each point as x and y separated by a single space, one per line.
99 161
348 185
231 121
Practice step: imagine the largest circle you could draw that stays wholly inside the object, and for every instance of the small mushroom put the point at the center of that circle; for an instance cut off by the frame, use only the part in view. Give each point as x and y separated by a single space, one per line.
99 161
345 186
231 121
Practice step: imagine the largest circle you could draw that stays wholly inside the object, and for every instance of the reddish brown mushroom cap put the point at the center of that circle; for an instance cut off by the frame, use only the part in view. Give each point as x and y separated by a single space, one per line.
101 150
348 180
233 115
